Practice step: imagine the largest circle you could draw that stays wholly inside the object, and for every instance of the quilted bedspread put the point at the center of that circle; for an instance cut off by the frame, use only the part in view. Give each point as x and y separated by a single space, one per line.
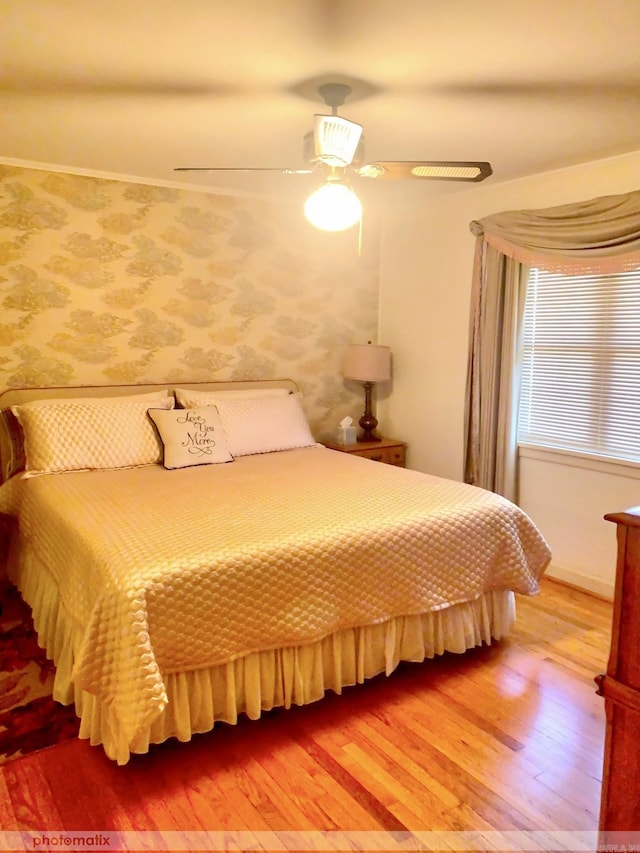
166 571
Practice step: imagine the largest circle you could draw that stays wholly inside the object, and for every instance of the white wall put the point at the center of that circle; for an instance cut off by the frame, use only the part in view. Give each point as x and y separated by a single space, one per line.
426 262
569 497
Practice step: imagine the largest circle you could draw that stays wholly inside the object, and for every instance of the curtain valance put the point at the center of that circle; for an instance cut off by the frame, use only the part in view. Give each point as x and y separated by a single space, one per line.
601 235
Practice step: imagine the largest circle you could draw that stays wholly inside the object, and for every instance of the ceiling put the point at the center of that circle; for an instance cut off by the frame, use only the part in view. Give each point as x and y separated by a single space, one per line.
138 87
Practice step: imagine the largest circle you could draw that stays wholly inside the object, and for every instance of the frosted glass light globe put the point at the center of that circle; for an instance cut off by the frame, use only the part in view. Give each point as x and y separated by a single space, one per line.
333 207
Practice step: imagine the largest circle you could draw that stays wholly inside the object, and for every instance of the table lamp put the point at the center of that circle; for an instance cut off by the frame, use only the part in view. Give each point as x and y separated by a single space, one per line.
367 363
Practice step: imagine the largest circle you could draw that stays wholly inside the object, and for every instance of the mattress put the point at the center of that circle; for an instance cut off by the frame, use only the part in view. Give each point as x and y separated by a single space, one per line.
160 572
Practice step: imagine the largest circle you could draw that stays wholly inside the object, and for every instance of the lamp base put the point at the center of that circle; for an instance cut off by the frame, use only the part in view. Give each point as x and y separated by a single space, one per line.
368 421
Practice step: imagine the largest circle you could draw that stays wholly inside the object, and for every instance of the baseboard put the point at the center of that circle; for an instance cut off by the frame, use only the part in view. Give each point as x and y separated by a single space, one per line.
603 589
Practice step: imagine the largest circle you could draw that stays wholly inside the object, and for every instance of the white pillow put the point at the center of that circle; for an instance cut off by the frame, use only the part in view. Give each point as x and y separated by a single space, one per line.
80 433
191 436
263 424
188 398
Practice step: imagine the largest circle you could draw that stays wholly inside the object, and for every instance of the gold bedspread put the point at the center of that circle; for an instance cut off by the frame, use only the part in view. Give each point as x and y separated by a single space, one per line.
168 571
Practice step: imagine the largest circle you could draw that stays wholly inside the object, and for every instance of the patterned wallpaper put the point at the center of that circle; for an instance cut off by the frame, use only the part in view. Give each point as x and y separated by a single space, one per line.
107 282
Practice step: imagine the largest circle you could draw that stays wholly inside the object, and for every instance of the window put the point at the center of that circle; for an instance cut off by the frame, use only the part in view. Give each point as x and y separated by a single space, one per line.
580 381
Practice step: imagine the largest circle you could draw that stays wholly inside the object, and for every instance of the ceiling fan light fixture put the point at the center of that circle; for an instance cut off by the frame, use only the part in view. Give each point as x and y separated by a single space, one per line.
336 139
333 207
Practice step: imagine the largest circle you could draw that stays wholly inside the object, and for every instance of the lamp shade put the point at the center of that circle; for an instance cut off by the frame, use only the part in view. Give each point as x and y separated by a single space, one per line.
367 363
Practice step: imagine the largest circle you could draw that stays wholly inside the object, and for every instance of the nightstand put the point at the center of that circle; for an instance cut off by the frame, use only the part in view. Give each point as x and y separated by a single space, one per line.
386 450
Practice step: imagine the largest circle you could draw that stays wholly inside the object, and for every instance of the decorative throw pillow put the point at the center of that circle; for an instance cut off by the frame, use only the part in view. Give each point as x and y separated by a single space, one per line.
263 424
188 398
80 433
191 436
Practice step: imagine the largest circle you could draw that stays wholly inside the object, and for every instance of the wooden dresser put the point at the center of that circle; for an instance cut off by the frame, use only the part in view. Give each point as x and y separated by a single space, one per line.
620 686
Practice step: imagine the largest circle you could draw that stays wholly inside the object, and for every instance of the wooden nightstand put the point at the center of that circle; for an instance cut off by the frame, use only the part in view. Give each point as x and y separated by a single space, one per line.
386 450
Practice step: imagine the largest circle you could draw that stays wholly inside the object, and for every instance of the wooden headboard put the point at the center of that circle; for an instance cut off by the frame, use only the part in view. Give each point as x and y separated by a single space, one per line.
16 396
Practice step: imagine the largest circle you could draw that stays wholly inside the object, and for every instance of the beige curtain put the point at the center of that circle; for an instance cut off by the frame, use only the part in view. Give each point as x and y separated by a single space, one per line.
493 378
597 236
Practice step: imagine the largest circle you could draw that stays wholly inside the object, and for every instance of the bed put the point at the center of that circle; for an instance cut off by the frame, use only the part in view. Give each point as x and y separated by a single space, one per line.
191 554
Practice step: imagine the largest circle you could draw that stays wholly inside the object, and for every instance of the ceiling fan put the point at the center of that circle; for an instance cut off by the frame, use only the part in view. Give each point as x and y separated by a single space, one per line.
335 148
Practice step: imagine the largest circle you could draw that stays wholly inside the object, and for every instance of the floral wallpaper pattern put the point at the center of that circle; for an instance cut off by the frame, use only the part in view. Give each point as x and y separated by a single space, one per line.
106 282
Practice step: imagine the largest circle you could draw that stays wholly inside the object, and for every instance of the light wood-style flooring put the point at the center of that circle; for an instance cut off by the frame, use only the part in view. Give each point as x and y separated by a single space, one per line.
507 737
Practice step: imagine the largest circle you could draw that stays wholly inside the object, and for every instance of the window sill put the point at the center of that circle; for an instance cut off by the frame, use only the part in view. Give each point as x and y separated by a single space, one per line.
576 459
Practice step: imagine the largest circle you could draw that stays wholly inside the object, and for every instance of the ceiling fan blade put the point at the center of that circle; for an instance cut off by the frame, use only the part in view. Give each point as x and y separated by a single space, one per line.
431 170
242 169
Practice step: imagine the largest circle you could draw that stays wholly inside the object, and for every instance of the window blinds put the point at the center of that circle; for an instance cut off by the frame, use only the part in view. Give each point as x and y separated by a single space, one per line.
580 379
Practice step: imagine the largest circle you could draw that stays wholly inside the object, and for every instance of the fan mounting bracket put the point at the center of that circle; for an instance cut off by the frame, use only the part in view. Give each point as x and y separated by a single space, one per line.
334 94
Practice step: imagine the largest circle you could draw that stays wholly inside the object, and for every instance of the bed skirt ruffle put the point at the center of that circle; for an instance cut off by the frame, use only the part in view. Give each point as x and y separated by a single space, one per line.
260 681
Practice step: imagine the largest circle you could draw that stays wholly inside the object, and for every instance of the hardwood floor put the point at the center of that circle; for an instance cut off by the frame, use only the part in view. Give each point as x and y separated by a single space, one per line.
508 737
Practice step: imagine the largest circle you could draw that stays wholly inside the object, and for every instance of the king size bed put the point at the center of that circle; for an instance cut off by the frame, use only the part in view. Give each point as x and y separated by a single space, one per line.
192 554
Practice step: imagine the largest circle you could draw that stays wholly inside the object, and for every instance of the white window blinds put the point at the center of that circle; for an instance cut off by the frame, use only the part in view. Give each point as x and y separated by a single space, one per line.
580 381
